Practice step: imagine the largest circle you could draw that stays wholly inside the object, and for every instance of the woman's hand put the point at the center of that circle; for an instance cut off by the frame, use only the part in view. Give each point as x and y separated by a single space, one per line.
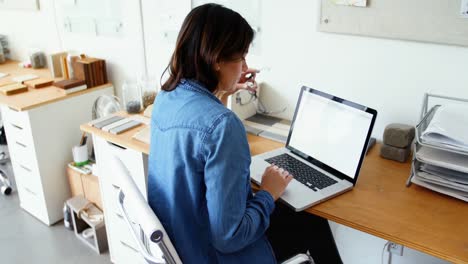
275 180
247 80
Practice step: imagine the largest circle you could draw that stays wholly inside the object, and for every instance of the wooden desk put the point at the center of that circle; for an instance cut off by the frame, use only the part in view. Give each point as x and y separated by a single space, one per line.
380 204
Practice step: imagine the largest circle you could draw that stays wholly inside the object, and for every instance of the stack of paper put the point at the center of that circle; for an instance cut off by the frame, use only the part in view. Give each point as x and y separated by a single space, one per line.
441 156
448 128
268 127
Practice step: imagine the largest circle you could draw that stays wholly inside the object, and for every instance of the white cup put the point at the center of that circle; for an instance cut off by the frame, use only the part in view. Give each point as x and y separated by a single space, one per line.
80 154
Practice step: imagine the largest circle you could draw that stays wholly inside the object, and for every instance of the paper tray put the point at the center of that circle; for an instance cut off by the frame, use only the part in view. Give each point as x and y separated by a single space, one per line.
434 187
440 158
422 126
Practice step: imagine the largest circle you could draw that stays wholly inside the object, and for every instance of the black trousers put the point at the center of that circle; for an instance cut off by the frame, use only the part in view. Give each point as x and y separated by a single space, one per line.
291 233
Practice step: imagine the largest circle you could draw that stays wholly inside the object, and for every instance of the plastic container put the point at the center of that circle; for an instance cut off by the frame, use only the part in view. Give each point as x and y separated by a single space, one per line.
80 155
149 89
38 60
132 99
2 55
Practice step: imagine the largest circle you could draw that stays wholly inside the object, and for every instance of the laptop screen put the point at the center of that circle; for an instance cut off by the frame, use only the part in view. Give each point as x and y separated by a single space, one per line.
331 132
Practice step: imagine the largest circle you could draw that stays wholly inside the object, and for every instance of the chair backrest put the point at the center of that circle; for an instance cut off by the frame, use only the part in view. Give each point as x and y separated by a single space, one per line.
152 240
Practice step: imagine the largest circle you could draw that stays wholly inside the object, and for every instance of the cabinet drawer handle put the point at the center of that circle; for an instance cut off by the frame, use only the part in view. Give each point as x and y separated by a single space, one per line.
122 218
12 109
115 187
115 145
25 168
16 126
29 191
127 245
21 144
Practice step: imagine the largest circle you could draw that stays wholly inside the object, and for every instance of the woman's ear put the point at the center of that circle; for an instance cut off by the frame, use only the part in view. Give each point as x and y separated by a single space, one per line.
217 66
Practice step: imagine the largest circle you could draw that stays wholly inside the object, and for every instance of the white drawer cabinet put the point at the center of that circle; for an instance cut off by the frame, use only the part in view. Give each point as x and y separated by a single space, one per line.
40 141
122 246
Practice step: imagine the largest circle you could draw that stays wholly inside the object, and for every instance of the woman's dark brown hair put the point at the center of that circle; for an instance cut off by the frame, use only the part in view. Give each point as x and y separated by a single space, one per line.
210 33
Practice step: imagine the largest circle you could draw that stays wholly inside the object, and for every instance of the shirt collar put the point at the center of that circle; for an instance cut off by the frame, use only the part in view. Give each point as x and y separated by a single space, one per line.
196 86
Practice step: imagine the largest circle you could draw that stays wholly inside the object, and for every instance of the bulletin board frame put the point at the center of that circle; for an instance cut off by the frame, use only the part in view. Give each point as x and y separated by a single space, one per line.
435 21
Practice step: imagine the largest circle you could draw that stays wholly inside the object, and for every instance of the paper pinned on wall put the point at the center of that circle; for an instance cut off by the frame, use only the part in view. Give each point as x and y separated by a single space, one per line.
464 9
360 3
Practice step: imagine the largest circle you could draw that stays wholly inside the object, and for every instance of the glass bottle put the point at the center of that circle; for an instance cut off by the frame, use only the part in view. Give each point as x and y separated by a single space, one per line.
2 55
149 89
131 93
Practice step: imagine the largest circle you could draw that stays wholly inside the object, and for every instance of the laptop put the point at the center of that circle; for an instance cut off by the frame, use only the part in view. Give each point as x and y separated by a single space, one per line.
324 151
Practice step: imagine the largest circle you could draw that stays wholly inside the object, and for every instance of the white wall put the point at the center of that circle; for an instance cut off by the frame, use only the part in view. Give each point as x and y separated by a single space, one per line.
38 29
388 75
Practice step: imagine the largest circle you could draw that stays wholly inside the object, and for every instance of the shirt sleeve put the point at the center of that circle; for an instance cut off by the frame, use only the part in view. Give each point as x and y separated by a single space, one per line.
237 218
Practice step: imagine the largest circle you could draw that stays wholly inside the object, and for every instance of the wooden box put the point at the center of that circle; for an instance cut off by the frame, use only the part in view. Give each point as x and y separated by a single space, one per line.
86 185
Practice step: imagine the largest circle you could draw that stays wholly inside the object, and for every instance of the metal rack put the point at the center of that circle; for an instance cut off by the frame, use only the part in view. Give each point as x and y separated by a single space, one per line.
426 116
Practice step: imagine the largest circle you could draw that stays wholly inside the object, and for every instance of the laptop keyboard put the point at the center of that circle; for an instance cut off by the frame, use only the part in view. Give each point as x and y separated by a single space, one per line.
306 175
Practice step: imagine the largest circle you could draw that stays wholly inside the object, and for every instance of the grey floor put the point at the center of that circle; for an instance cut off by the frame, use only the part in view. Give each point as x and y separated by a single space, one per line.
24 239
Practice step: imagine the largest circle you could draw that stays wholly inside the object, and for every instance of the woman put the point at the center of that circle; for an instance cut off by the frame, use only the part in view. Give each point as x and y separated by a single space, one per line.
198 178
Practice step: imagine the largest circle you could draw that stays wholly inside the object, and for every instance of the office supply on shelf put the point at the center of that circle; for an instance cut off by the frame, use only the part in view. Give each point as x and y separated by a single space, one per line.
268 126
92 70
86 169
74 89
55 64
107 128
14 88
38 60
23 78
39 83
106 121
124 127
80 155
144 135
70 83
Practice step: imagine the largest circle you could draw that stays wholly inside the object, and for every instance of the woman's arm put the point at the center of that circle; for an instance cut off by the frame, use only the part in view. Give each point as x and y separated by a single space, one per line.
236 218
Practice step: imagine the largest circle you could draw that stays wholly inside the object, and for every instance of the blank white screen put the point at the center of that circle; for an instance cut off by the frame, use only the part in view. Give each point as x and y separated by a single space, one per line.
330 132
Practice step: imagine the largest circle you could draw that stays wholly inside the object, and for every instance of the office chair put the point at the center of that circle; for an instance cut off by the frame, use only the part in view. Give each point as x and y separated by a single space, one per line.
146 228
152 240
5 184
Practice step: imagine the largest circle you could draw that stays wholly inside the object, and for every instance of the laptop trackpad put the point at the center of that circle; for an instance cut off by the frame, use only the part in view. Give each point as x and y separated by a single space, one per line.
299 196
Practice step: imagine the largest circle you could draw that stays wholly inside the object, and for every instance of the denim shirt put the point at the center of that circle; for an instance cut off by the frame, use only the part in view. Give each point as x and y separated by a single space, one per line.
198 180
